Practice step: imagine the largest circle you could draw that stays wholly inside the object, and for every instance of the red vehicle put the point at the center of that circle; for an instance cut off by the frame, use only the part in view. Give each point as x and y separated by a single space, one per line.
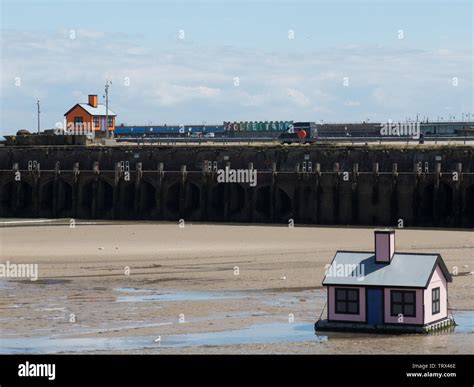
300 133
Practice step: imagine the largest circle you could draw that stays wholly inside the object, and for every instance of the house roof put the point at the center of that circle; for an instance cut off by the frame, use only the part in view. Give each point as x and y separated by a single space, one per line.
94 111
405 270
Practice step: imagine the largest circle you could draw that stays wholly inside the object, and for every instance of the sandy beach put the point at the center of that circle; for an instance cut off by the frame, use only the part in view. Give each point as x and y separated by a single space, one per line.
158 288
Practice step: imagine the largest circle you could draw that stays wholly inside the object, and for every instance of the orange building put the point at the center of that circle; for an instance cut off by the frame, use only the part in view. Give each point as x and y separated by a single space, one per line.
90 116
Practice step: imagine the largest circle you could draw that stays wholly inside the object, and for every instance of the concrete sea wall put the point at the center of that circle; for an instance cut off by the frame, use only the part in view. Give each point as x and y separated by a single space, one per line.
319 184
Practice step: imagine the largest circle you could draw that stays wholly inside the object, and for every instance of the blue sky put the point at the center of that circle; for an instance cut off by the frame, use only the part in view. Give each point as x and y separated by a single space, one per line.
345 62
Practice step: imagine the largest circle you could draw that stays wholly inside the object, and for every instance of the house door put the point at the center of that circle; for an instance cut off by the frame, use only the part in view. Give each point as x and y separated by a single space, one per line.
102 124
375 306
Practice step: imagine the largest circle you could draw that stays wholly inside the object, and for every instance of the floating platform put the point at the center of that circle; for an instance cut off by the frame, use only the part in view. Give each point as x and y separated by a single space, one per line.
330 326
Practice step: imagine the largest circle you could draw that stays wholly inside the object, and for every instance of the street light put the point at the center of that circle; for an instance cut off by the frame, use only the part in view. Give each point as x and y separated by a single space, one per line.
38 107
107 84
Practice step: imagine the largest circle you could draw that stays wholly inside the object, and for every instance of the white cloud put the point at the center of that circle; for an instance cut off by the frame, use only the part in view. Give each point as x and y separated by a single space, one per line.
297 97
169 94
352 103
194 83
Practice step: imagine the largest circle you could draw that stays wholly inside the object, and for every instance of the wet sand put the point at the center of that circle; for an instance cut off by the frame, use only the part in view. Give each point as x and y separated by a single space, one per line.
201 289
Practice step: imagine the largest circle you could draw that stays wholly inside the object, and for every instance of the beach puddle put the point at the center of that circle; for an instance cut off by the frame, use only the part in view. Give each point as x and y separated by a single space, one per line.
144 295
464 321
266 297
254 334
38 345
292 298
257 333
269 333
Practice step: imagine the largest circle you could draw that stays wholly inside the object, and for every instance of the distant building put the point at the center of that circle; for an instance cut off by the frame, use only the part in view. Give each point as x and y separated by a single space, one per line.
386 291
90 116
447 128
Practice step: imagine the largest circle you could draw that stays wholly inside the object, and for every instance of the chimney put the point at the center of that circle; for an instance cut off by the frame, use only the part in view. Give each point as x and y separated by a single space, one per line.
93 100
384 245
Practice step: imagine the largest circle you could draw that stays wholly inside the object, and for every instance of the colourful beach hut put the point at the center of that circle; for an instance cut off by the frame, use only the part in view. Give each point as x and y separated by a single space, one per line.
386 291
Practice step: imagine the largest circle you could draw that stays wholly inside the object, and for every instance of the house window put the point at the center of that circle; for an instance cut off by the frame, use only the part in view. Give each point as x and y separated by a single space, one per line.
78 122
403 302
96 121
435 301
110 122
347 301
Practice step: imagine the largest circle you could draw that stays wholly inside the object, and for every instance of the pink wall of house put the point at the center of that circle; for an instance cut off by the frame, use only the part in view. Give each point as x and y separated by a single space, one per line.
418 319
332 315
437 280
384 246
392 244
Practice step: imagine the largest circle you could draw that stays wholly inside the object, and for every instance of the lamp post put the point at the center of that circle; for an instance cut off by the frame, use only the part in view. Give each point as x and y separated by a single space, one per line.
38 107
107 84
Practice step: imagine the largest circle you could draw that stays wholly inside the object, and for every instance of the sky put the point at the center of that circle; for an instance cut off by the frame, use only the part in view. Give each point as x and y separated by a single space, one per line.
190 62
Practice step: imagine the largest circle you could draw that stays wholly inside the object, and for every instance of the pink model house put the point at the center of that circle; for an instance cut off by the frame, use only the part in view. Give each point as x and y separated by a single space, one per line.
386 291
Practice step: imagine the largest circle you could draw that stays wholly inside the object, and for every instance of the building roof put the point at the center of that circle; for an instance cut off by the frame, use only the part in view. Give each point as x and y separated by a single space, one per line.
405 270
98 111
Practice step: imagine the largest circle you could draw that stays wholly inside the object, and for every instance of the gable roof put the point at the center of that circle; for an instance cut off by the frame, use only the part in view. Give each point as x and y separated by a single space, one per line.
98 111
405 269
